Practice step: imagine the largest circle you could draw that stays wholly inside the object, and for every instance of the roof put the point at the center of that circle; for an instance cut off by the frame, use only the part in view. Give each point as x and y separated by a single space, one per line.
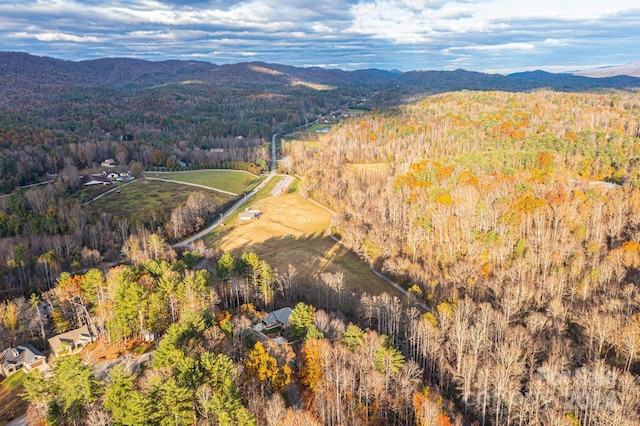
93 179
249 214
280 316
73 338
20 355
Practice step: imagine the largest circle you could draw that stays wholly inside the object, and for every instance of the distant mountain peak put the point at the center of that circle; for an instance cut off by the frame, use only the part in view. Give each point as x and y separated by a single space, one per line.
631 69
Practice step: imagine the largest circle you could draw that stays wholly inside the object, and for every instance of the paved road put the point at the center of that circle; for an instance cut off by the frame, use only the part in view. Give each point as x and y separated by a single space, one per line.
20 421
294 396
274 154
282 185
229 212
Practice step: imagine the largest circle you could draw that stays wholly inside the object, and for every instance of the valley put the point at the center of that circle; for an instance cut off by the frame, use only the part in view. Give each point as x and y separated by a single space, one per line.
506 206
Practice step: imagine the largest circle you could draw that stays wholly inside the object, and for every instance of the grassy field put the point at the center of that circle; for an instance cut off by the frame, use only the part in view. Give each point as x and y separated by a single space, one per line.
86 193
147 199
292 230
227 180
318 126
11 404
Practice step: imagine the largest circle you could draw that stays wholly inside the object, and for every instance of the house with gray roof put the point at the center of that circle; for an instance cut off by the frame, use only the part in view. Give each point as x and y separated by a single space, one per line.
278 318
72 341
22 357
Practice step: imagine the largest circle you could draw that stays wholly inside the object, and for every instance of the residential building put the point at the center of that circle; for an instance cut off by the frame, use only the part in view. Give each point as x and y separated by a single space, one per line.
22 357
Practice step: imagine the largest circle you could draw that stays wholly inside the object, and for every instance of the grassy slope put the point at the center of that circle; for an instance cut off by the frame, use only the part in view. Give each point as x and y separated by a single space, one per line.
232 181
145 198
293 231
11 404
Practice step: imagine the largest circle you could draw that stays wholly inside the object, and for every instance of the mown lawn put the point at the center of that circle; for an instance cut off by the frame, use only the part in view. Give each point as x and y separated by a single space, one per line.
227 180
146 200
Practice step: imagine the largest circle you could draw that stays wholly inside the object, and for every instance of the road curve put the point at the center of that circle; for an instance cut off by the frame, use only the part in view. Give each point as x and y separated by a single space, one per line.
225 215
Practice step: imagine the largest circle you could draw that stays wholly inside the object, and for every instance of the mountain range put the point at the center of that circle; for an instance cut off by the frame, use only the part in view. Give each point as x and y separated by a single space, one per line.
632 69
22 71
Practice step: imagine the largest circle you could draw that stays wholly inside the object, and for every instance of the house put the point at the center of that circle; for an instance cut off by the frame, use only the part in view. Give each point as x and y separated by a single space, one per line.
88 180
249 215
72 340
108 163
112 175
279 318
124 177
21 357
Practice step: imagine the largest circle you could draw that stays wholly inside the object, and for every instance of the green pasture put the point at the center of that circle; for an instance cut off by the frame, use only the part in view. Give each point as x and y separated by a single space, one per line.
234 181
149 200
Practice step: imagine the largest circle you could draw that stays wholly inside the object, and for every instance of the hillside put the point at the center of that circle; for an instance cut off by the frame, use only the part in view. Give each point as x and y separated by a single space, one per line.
511 215
514 216
21 71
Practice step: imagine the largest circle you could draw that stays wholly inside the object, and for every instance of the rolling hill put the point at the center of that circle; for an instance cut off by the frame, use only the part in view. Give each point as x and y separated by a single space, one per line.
22 71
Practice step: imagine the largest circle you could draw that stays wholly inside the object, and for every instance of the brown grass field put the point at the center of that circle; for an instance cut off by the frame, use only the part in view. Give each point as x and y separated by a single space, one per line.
11 404
292 230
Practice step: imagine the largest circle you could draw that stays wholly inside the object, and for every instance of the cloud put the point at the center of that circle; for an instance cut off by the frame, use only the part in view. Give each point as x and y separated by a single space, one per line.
54 36
496 47
403 34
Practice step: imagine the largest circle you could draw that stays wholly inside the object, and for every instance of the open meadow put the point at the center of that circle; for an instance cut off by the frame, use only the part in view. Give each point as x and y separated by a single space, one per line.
234 181
293 230
145 199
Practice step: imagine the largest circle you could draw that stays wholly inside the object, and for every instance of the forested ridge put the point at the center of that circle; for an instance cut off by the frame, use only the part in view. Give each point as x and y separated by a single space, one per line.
497 209
513 216
67 118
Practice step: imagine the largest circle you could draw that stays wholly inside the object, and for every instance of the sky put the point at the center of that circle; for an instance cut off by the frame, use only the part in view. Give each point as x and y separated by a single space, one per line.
498 36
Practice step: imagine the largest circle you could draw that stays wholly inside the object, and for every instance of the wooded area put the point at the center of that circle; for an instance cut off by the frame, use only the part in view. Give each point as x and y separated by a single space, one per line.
512 216
57 131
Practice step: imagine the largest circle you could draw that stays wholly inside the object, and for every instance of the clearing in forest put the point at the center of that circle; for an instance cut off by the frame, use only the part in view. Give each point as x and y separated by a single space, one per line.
146 200
234 181
292 230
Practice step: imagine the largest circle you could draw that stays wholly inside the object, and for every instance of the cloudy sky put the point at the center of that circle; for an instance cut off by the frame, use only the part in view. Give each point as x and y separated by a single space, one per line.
483 35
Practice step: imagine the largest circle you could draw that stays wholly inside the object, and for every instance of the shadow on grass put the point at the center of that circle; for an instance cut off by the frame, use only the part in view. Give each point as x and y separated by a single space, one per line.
311 255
